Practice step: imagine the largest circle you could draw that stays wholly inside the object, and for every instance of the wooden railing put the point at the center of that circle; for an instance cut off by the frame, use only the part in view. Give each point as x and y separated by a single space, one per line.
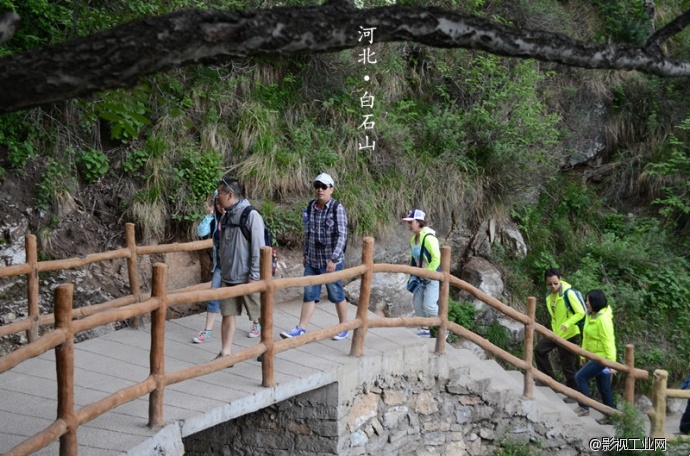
33 267
657 414
61 338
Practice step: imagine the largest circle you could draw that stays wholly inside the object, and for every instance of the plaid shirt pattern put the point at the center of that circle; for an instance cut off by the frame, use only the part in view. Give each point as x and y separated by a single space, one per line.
326 235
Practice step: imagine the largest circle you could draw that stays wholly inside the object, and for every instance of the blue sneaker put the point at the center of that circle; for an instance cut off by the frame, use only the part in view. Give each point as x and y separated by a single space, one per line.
294 332
340 336
423 332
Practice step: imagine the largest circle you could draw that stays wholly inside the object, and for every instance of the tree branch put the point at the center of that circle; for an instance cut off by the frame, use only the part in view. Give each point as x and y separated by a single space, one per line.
118 57
674 27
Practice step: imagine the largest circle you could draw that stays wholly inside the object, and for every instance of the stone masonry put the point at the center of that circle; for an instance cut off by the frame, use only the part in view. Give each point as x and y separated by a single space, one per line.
306 424
468 407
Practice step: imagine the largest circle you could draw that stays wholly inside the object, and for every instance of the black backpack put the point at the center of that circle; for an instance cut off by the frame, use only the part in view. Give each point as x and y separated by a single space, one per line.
580 302
334 209
268 237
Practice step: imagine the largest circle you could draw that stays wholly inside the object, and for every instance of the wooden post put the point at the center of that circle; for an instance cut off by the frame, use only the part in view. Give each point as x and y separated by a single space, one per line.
267 298
629 393
32 286
64 362
528 388
133 269
357 347
157 355
657 414
444 290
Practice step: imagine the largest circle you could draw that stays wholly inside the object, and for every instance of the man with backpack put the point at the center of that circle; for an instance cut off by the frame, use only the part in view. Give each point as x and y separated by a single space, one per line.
241 240
567 312
325 225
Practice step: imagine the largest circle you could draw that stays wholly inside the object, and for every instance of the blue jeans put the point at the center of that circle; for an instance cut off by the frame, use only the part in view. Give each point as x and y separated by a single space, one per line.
335 289
214 306
425 299
595 370
685 419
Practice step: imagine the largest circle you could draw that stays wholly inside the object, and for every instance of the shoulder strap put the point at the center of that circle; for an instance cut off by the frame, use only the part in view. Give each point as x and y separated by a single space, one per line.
334 209
243 223
566 300
422 249
334 206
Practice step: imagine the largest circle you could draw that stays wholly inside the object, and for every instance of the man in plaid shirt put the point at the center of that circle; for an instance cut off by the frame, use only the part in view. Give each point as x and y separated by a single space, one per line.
324 251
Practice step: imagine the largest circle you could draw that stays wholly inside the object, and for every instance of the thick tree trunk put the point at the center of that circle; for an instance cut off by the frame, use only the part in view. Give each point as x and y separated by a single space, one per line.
118 57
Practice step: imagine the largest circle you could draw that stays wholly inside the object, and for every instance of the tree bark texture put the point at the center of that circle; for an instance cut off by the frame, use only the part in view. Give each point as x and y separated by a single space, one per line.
119 56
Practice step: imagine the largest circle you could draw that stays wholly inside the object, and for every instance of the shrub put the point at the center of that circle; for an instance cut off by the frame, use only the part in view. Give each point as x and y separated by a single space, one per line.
92 165
19 137
629 425
125 111
513 448
462 313
56 184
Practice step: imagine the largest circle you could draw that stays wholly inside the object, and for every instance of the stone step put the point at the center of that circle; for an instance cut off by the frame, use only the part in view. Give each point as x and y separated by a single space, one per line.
550 404
486 378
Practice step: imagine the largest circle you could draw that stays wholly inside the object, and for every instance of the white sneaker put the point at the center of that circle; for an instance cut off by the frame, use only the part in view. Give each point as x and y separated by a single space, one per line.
255 330
204 336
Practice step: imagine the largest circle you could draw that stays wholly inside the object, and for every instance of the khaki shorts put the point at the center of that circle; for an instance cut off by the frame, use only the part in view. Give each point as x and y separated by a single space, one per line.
233 306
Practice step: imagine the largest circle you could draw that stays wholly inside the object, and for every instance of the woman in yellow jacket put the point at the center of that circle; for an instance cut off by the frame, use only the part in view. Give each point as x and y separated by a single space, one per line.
598 338
424 253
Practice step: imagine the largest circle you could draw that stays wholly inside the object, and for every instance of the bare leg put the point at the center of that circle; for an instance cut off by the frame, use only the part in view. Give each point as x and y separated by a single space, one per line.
341 308
227 334
306 314
210 320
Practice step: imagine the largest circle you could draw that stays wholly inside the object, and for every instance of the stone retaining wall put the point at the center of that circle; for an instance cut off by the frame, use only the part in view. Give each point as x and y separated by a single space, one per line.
425 415
416 414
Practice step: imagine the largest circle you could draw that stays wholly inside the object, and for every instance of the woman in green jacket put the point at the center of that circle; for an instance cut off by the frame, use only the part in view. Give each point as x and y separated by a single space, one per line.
424 253
598 338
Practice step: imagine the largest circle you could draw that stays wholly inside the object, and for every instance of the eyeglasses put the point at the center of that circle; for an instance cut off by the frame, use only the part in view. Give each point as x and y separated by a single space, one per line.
320 186
227 185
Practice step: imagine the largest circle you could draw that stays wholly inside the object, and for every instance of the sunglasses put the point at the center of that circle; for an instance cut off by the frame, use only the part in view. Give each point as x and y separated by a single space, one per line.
320 186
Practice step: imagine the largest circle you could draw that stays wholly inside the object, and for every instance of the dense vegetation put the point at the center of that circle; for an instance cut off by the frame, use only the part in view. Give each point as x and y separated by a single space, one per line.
460 133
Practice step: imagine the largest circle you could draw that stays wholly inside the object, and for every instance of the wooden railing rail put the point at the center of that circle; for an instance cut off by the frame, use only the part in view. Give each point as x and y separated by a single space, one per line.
49 319
61 338
657 414
33 267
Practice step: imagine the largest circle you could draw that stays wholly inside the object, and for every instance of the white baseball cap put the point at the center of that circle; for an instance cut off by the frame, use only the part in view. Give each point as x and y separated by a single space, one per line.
324 179
414 214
